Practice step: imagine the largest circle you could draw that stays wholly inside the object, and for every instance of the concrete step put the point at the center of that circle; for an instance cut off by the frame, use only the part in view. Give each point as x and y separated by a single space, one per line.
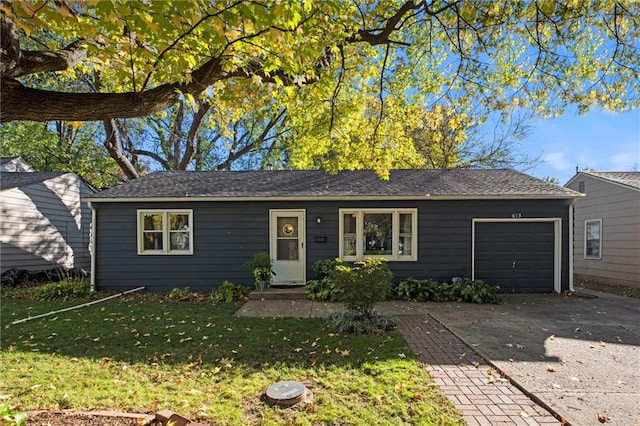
279 293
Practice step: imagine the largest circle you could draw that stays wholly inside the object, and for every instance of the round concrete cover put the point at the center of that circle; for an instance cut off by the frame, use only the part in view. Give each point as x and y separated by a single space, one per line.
286 393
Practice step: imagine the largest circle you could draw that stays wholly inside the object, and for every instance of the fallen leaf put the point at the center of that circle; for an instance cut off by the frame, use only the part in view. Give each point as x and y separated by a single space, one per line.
551 369
552 337
603 344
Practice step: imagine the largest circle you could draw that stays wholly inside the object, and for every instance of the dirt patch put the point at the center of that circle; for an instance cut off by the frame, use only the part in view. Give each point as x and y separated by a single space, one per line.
49 418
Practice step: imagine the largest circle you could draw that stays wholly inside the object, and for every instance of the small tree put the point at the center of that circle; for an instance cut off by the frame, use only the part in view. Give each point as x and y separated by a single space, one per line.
363 284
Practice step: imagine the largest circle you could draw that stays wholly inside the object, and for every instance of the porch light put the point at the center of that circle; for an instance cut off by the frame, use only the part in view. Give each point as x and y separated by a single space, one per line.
318 219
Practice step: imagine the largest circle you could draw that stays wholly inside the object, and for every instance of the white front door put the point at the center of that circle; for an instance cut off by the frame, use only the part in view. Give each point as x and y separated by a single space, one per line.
287 245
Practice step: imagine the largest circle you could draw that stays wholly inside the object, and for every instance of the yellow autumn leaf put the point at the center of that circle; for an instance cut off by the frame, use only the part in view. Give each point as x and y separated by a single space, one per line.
232 34
275 34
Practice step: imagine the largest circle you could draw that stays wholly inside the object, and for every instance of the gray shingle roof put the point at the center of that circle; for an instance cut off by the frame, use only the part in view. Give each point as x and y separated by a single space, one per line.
631 179
10 180
311 184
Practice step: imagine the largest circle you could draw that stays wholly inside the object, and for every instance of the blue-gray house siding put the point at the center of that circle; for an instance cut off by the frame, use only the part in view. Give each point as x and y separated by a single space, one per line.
227 233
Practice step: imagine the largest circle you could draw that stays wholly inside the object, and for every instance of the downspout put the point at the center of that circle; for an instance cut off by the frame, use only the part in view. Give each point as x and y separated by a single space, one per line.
571 243
92 242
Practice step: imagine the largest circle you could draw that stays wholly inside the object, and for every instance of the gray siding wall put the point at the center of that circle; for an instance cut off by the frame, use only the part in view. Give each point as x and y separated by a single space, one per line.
226 234
619 209
45 225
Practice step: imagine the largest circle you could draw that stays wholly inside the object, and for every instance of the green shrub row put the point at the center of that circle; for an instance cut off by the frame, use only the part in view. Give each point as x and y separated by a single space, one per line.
467 290
327 289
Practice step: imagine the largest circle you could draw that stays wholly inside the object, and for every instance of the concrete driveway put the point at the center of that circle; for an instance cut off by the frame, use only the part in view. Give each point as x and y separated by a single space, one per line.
580 354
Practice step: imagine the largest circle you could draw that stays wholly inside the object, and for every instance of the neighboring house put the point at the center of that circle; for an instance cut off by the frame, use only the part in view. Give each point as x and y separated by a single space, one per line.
14 164
607 227
43 223
197 229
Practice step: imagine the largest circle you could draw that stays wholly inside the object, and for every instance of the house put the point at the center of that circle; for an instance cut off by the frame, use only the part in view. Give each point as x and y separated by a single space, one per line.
197 229
607 227
14 164
43 223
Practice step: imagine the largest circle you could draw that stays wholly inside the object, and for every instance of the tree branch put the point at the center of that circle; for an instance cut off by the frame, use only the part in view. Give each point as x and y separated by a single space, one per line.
112 144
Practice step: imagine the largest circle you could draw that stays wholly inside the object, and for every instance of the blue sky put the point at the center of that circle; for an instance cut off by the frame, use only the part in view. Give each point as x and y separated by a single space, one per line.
599 140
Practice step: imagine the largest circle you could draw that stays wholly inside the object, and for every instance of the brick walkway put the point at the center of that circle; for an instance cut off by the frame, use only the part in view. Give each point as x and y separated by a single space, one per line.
475 388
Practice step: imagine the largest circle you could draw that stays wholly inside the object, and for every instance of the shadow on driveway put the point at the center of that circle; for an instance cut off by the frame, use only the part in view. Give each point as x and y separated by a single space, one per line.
578 354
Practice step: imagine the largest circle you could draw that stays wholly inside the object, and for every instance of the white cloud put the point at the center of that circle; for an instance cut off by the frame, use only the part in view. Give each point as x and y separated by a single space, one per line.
557 160
624 161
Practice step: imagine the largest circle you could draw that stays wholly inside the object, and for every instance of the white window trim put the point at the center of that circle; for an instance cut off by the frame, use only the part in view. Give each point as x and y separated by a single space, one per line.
591 257
360 212
165 232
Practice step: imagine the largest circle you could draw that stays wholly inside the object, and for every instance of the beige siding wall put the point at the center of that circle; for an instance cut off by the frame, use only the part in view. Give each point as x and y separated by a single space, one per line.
619 209
45 225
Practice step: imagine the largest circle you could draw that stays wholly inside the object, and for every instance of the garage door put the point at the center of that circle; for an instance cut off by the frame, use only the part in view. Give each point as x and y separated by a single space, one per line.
517 256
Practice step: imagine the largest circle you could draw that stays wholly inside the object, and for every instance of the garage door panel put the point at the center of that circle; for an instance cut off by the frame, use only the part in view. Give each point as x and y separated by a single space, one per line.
517 256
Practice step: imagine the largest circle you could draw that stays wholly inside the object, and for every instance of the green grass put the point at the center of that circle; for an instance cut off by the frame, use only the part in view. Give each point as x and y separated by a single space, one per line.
143 354
613 289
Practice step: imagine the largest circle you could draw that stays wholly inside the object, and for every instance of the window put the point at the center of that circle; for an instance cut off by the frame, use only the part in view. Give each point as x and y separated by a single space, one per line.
165 232
387 233
593 239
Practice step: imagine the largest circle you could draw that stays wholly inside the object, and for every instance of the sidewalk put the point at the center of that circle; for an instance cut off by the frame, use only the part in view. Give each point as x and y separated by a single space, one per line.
475 388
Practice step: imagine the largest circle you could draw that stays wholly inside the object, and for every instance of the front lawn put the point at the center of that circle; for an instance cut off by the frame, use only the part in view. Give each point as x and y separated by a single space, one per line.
145 354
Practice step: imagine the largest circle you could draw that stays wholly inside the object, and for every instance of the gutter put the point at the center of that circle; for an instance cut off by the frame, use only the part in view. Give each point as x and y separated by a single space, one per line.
93 246
571 242
340 197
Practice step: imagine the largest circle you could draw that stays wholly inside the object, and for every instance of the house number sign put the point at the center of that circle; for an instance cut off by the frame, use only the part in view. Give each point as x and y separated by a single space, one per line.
516 215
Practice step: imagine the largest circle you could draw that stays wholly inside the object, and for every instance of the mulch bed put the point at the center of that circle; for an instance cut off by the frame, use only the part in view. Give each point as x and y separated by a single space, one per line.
53 418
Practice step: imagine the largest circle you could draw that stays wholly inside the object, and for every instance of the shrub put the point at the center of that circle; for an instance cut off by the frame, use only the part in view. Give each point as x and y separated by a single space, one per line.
476 291
323 267
417 290
467 290
181 294
357 322
363 284
66 289
323 288
229 292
